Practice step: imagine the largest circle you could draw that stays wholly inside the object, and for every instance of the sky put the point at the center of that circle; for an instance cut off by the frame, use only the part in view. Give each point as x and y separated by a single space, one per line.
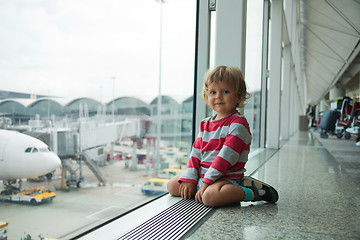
105 49
95 48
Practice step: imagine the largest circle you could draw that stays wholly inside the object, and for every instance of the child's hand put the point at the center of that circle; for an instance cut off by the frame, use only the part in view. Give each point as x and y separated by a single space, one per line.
199 194
187 190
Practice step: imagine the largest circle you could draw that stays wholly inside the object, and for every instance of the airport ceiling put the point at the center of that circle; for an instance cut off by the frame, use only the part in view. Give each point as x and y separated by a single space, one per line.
330 34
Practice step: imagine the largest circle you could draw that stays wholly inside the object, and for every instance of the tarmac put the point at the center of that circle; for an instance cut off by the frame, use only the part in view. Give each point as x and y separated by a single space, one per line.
77 210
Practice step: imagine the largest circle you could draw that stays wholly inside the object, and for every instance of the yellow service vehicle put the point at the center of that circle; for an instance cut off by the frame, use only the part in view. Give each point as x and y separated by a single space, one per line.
32 196
3 230
159 185
155 186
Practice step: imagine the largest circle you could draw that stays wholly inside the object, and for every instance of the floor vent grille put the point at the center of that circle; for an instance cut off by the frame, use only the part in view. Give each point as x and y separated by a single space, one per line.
172 223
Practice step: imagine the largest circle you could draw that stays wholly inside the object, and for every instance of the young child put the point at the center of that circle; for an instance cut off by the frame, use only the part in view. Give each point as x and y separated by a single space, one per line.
215 172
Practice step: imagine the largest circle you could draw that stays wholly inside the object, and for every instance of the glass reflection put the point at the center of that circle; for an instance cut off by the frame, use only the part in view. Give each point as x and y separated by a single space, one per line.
84 77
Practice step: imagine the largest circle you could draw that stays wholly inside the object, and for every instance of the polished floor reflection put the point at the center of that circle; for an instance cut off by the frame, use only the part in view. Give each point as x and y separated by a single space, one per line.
319 197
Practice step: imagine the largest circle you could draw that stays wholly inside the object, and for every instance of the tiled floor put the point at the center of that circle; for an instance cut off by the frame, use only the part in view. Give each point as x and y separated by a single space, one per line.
345 152
317 200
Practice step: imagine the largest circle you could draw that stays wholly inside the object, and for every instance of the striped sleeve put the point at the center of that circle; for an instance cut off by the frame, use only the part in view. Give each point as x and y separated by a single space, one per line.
191 173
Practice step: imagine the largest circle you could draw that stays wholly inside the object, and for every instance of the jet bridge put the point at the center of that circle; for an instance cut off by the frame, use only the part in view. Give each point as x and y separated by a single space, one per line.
85 141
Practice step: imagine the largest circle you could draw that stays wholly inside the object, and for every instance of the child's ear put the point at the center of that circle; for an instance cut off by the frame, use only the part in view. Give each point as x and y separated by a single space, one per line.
238 101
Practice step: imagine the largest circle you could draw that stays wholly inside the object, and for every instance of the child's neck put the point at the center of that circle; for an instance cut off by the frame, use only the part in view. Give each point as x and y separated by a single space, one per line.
216 117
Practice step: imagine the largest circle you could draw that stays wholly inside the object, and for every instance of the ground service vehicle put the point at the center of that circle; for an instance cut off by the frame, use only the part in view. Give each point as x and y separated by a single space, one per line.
33 196
155 186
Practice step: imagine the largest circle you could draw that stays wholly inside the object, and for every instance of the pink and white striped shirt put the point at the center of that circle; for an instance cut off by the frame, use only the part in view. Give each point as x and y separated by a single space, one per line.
220 150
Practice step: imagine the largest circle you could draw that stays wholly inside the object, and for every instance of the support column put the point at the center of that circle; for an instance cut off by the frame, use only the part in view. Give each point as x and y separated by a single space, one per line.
285 93
202 61
293 113
274 104
336 92
230 35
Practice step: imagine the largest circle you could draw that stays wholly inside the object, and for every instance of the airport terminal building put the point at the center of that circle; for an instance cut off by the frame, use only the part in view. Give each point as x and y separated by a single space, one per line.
300 60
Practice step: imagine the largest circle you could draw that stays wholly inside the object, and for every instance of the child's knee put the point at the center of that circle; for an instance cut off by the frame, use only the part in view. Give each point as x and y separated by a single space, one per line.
210 197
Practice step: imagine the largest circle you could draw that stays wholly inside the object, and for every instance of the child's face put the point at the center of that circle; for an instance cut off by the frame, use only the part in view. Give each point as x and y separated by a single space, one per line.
222 98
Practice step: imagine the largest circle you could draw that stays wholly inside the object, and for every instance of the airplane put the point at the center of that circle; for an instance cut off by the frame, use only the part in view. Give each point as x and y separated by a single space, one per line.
23 156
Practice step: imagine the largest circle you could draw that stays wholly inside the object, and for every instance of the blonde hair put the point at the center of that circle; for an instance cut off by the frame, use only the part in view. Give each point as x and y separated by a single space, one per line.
227 74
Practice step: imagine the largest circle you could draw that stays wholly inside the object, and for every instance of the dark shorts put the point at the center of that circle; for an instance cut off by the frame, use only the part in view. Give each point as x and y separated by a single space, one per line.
236 182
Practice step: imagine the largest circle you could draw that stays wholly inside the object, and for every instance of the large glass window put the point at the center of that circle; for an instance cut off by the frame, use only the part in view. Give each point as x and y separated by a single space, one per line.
108 85
253 65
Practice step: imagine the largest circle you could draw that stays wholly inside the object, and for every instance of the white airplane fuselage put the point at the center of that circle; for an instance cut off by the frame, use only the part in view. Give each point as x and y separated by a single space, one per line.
23 156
